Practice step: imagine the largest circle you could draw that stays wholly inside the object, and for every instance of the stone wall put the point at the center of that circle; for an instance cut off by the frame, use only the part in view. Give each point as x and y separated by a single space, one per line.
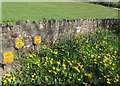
49 30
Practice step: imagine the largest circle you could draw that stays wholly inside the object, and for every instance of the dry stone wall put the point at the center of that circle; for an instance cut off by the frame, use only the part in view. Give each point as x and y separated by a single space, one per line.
49 30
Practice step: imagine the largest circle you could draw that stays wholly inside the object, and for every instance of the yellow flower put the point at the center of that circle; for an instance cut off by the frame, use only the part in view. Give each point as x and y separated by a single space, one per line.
4 76
51 62
32 75
90 65
79 79
13 78
77 41
108 79
113 68
45 76
86 41
46 57
58 63
57 69
95 62
81 66
50 50
110 62
55 42
20 72
92 56
70 63
38 64
95 59
106 65
34 55
98 56
113 64
54 72
89 75
107 75
7 75
44 64
70 77
45 45
30 55
53 68
50 70
55 52
73 61
115 52
52 59
78 64
64 66
107 54
4 81
32 79
117 76
76 68
108 82
63 50
84 83
9 80
55 49
117 80
82 69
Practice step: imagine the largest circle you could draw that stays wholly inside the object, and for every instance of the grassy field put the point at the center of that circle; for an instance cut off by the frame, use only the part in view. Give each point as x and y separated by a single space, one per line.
70 10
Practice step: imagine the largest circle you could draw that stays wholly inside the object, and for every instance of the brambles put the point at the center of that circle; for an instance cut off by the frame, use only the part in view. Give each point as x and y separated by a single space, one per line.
86 59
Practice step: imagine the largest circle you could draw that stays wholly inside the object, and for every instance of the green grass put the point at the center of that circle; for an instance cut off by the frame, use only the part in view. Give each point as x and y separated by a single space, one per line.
70 10
86 59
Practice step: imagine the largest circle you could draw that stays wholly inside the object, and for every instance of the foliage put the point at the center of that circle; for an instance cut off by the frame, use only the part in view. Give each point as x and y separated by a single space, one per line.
90 59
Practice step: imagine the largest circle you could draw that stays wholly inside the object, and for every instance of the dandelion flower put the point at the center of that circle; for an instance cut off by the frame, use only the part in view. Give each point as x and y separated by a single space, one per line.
5 81
79 79
55 52
57 69
58 63
32 79
9 80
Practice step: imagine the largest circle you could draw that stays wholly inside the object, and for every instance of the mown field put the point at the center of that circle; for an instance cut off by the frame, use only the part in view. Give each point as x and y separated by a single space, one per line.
91 59
14 11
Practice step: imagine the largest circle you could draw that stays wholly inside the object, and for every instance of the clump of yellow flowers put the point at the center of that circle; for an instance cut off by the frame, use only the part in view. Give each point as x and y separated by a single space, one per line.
7 78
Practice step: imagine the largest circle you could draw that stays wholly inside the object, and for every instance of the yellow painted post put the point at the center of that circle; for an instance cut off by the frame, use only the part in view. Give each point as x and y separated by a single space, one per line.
19 43
7 57
36 40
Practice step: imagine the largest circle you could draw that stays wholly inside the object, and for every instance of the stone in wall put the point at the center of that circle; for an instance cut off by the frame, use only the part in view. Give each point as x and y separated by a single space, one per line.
30 28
